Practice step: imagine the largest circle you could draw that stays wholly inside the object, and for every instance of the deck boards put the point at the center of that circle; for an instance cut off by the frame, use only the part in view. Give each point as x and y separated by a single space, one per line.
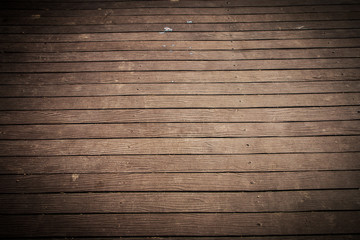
243 122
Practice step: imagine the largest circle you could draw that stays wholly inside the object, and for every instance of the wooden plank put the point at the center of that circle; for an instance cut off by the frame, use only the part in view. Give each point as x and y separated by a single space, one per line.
175 89
199 36
181 55
179 146
213 224
180 202
179 182
181 11
148 130
184 27
169 19
180 65
180 163
193 4
310 237
180 101
178 45
181 115
181 77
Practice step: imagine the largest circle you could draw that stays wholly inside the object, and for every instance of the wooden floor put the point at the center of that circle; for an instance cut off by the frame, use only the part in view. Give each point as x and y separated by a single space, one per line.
180 119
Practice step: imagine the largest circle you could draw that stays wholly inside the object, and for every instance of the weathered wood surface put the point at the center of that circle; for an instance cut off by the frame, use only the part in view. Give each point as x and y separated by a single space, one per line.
243 122
175 45
181 55
182 115
37 19
201 27
214 224
179 146
111 182
180 163
162 202
181 77
244 10
180 101
89 90
148 130
184 36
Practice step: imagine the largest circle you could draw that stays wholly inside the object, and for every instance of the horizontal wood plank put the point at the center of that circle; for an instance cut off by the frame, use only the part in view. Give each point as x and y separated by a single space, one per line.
197 36
180 163
181 115
180 65
329 200
184 27
141 130
191 101
37 19
179 146
181 55
179 182
174 45
181 224
181 77
193 4
182 11
175 89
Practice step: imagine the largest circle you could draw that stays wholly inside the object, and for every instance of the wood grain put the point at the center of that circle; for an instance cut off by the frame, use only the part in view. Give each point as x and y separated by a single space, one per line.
179 146
181 77
179 182
178 89
181 55
180 163
175 36
176 45
148 130
181 115
181 224
110 19
182 11
179 202
190 101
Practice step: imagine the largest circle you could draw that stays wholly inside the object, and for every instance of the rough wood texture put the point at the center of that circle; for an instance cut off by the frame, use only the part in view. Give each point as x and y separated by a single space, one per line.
215 224
180 163
148 130
180 77
179 182
179 202
179 146
176 45
182 115
241 120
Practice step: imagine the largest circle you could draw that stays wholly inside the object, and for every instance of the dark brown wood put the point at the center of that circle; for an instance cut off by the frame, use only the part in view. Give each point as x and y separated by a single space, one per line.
181 76
181 65
193 4
182 11
181 55
141 130
203 27
175 36
181 115
179 146
180 202
216 101
37 19
242 122
181 224
175 89
179 182
163 45
180 163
